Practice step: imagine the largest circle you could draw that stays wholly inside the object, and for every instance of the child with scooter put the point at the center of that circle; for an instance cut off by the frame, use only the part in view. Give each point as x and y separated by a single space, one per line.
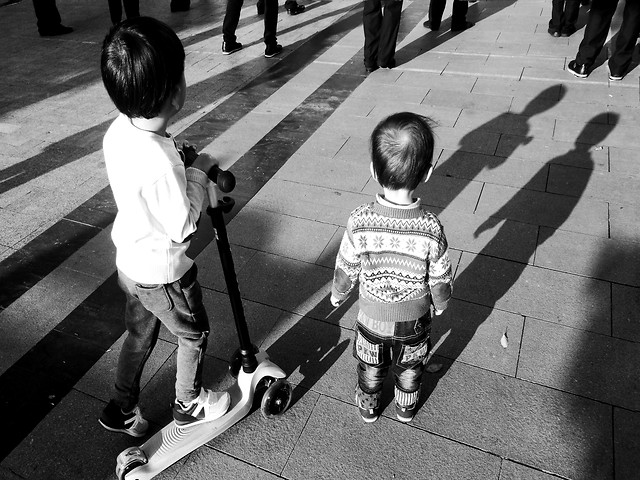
159 191
397 251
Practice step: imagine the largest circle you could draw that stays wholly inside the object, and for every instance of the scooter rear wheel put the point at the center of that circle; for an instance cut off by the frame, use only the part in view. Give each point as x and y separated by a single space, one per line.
276 398
132 457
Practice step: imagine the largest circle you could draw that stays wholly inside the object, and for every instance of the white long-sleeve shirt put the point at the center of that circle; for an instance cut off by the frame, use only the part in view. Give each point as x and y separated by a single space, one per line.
158 200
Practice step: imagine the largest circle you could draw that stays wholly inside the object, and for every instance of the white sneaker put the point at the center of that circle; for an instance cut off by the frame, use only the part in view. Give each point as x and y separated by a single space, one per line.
207 407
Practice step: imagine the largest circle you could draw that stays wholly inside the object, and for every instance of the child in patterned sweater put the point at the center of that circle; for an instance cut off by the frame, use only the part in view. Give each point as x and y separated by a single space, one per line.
398 253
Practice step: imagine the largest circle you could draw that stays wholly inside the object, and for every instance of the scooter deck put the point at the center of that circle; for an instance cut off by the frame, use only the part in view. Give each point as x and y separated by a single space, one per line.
173 442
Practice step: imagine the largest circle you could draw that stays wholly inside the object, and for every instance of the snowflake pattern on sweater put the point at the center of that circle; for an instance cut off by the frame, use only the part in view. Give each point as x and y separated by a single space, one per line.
399 256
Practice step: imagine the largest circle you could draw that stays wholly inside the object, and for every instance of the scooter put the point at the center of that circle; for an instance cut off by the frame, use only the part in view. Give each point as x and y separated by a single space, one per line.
255 374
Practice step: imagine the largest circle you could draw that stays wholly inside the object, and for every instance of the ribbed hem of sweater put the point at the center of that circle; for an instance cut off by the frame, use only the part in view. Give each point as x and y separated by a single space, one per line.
198 176
395 312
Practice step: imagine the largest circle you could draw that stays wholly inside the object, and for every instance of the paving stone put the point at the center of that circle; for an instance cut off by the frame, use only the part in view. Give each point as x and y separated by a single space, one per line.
508 123
582 215
625 303
472 334
515 471
342 454
591 365
625 434
529 424
451 98
595 257
624 221
531 291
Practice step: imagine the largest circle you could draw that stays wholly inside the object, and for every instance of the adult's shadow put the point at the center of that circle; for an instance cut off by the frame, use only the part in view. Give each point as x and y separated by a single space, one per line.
481 286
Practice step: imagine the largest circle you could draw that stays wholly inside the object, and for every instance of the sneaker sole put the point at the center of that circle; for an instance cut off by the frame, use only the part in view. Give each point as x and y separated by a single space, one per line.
204 420
272 54
404 419
122 430
576 74
232 51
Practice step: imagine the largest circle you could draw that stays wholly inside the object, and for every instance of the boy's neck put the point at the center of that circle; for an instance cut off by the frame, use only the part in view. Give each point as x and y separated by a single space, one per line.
157 125
399 197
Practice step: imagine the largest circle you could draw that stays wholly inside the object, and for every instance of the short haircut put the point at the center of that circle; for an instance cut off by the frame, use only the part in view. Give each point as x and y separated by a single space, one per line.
142 62
402 150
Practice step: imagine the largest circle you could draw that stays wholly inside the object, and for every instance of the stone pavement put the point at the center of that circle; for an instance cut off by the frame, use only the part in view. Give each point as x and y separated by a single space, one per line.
536 185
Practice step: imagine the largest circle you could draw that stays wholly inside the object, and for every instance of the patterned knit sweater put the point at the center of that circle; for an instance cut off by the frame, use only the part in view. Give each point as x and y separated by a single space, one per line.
399 255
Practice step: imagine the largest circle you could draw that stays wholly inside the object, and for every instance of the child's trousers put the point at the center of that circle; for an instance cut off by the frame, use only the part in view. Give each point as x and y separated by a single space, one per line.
179 307
399 346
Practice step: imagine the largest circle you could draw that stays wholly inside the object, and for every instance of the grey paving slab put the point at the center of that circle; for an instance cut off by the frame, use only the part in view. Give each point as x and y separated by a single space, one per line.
626 424
462 84
339 452
475 141
515 471
279 234
596 257
449 192
623 221
210 274
472 334
625 302
513 87
444 97
532 425
531 291
513 124
313 203
591 365
583 215
612 135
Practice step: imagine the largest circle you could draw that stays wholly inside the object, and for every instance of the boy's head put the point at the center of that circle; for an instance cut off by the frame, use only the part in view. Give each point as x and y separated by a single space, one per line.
142 66
402 150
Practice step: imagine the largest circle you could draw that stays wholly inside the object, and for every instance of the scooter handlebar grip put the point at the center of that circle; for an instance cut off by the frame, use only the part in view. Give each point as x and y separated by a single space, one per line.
224 179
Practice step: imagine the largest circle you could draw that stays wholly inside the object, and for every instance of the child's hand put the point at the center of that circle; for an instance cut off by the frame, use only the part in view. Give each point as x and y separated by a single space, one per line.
190 154
335 301
204 162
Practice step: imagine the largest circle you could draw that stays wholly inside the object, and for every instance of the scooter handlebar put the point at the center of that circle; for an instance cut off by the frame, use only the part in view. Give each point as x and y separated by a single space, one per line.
224 179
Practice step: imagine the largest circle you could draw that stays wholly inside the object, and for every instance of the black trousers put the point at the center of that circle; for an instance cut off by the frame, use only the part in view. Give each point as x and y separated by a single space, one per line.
597 29
381 22
131 9
46 13
232 17
458 13
564 15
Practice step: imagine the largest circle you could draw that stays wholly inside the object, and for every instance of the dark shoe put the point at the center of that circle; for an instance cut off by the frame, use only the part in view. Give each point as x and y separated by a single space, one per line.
260 8
272 50
580 70
568 31
615 75
461 27
295 9
406 414
553 32
180 5
371 68
369 415
389 65
54 31
431 25
228 47
115 420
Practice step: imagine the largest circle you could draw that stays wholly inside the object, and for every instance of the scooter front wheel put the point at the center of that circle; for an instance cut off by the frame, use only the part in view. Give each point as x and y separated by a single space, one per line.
132 457
276 398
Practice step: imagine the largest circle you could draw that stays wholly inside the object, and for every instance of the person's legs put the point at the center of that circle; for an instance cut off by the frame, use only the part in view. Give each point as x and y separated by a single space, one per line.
47 15
557 12
571 12
436 10
459 16
270 22
372 24
626 39
389 33
131 8
115 11
596 31
231 19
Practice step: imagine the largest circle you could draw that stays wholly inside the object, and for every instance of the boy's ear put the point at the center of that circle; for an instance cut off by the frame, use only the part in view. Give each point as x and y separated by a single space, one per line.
428 175
373 172
175 102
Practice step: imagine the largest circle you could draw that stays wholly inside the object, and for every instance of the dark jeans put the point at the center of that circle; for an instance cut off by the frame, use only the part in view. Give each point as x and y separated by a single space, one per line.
179 307
131 9
597 29
381 22
400 347
232 17
564 15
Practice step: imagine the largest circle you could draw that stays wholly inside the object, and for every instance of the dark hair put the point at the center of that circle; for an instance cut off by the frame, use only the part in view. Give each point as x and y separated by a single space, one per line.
142 62
402 150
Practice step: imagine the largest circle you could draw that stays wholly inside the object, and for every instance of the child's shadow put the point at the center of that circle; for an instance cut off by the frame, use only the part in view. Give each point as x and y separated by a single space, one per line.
484 282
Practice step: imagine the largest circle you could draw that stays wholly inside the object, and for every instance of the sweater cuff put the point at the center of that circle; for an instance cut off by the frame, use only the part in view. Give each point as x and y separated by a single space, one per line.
198 176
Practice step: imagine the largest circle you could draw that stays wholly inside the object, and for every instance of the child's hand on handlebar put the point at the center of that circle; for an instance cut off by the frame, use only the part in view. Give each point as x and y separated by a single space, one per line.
190 154
204 162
